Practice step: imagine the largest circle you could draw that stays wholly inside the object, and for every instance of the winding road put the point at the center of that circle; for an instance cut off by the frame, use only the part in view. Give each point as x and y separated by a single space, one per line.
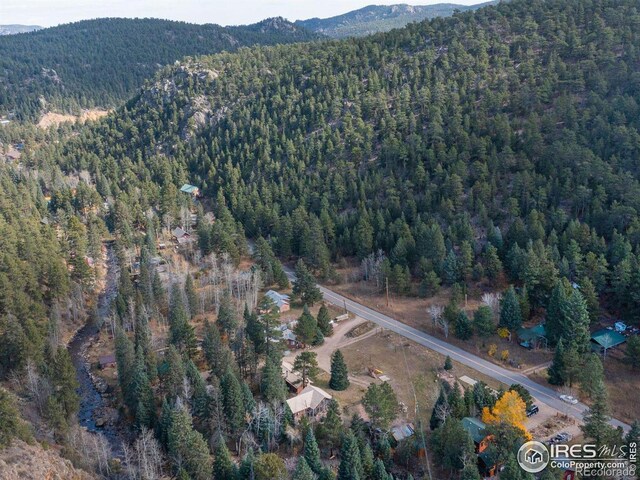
543 394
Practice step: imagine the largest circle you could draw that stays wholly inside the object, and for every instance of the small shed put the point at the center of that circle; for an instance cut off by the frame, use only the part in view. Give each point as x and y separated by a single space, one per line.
401 432
604 339
533 337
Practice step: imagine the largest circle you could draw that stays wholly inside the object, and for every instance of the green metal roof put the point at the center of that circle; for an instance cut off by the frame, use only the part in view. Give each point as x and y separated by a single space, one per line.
608 338
532 333
186 188
475 428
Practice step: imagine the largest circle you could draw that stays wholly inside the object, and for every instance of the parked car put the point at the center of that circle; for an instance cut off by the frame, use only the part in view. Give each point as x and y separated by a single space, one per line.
532 410
569 399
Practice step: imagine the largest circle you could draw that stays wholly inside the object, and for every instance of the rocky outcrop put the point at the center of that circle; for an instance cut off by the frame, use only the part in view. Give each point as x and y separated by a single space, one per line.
22 461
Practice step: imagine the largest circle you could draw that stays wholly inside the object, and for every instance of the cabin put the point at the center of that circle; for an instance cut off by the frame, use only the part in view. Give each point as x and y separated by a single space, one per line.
533 338
477 431
311 403
292 378
281 301
181 236
604 339
107 361
191 190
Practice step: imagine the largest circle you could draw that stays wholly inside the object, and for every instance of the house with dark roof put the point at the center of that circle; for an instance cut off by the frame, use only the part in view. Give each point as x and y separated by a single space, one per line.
534 337
477 430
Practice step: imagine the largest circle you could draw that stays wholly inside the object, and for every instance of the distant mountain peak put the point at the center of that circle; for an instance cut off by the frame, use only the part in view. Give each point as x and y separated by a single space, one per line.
13 29
381 18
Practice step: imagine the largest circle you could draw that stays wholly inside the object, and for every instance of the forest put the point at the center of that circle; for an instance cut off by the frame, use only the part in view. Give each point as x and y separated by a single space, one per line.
498 146
102 62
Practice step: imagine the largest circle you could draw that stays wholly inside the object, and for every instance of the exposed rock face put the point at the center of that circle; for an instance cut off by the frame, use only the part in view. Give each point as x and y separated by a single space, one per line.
22 461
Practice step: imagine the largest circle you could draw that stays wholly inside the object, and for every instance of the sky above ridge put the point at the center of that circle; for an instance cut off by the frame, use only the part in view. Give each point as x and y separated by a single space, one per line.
48 13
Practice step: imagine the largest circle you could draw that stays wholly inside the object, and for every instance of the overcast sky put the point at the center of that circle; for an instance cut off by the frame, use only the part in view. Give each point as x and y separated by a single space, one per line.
225 12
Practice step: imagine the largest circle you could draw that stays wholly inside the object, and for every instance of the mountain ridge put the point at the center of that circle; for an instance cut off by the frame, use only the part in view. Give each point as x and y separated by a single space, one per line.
379 18
101 62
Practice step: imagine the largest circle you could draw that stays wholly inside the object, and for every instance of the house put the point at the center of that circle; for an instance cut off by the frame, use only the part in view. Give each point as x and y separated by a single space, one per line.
534 337
487 464
311 403
604 339
107 361
401 432
477 430
181 236
191 190
292 378
281 301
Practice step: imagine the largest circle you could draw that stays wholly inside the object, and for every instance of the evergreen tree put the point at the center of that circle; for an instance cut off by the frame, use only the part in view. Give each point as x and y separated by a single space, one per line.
381 404
339 374
223 466
227 321
463 328
379 471
247 471
217 354
175 373
306 364
448 363
139 395
187 448
330 429
324 321
273 386
596 421
306 328
556 372
350 467
64 381
578 323
312 452
232 401
181 333
11 424
558 314
483 321
510 313
302 471
591 375
304 286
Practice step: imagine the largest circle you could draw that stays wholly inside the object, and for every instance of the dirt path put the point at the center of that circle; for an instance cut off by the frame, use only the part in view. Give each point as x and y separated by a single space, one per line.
338 340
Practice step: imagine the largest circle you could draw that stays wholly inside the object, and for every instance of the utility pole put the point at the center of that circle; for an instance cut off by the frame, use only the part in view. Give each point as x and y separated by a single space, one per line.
386 281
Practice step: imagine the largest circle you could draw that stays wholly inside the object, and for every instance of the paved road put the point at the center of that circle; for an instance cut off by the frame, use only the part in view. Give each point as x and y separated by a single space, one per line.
541 393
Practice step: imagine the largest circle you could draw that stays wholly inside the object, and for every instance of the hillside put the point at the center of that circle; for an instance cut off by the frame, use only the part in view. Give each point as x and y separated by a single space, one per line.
494 152
381 18
100 63
13 29
457 146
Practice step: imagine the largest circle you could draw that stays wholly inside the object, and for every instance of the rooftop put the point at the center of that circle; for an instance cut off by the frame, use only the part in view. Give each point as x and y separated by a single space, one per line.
186 188
475 427
608 338
311 397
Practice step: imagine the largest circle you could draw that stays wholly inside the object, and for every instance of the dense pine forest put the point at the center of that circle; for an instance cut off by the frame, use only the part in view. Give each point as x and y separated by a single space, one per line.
100 63
498 148
505 139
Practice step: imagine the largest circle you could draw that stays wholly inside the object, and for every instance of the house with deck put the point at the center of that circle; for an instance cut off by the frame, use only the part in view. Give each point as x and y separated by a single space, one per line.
311 403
